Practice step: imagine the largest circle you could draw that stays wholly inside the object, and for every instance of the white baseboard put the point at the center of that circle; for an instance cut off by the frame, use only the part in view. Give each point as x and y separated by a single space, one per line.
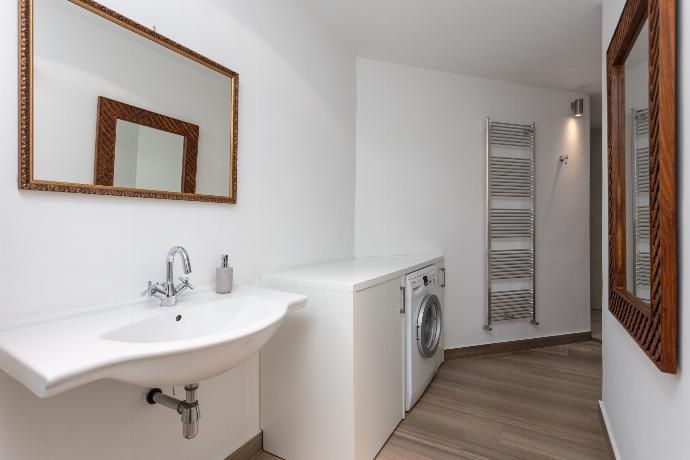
609 432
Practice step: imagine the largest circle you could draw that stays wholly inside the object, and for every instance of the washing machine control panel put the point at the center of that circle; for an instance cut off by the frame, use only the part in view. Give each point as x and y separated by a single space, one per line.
425 278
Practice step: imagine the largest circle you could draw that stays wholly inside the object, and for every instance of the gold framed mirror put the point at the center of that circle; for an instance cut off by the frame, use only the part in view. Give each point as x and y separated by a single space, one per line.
183 108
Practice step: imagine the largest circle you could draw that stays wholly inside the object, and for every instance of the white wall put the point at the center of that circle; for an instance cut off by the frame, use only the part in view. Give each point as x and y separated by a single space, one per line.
295 205
126 149
420 188
649 412
159 159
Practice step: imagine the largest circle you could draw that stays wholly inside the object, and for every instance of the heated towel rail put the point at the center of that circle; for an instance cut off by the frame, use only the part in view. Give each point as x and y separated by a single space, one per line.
640 203
510 218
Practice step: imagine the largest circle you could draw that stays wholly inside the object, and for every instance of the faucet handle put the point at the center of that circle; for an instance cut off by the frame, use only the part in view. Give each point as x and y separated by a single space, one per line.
150 289
185 283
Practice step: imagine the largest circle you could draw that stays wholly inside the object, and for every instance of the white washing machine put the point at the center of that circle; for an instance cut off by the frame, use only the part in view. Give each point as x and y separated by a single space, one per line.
423 331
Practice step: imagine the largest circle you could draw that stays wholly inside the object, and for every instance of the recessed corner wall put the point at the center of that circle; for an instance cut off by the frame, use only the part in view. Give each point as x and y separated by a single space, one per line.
295 205
420 188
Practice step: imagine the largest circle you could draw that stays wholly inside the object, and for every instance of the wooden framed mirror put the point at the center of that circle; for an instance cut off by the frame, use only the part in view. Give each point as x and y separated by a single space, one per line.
641 101
140 149
182 108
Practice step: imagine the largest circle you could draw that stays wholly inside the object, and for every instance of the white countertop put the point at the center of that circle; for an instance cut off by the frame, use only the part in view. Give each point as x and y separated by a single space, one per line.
352 274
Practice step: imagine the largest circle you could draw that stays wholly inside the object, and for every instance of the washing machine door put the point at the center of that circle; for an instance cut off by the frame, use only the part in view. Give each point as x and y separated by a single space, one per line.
429 326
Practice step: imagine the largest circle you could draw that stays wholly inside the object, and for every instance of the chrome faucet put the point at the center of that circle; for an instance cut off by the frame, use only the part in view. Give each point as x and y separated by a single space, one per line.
167 292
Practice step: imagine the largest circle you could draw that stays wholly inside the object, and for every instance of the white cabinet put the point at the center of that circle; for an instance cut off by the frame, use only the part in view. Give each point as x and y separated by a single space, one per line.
332 376
378 362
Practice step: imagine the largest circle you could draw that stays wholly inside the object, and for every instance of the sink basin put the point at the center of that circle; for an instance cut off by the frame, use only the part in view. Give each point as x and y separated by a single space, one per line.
144 344
188 323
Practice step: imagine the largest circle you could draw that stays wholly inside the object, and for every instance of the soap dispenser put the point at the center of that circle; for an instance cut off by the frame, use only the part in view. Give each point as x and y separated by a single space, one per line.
224 276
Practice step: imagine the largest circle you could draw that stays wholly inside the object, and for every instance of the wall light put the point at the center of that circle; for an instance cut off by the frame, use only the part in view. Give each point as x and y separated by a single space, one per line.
578 107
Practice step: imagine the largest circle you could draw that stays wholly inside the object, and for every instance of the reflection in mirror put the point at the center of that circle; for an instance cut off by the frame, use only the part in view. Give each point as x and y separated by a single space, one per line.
84 54
144 150
147 158
637 167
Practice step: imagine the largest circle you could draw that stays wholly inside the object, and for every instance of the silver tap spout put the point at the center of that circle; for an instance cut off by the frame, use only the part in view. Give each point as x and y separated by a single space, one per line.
170 259
167 292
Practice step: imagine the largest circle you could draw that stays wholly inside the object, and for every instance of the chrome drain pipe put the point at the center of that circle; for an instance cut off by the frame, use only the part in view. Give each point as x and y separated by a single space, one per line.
188 409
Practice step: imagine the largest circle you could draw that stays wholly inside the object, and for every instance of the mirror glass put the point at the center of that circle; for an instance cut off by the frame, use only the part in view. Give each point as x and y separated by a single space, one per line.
147 158
79 58
637 166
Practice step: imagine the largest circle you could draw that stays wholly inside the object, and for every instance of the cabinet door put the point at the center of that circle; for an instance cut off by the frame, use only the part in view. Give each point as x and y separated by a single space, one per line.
378 366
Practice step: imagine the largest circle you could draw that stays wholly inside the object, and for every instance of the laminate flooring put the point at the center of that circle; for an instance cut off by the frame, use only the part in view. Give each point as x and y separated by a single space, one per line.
530 405
265 456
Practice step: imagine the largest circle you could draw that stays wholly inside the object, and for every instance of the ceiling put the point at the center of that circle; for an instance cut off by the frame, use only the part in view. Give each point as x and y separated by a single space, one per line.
551 43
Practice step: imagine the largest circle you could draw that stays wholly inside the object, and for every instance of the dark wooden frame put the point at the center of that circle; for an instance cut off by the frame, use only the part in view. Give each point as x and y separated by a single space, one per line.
109 111
26 100
652 325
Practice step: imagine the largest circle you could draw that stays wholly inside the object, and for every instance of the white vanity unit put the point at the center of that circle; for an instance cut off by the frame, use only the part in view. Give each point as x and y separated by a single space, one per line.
332 378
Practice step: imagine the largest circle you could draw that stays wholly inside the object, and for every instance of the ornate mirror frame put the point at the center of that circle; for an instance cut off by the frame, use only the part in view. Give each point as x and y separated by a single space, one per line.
652 325
109 111
26 101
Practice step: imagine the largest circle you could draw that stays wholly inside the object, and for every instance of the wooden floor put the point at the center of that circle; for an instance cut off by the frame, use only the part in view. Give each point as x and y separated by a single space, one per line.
264 456
530 405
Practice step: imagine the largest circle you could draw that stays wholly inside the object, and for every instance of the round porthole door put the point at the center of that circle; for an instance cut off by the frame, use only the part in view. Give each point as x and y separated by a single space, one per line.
429 326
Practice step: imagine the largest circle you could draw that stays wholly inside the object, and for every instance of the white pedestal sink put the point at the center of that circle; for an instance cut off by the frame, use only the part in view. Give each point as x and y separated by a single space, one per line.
144 344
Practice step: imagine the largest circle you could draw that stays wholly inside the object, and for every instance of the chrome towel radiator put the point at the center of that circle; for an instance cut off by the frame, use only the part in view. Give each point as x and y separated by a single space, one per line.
510 213
640 203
